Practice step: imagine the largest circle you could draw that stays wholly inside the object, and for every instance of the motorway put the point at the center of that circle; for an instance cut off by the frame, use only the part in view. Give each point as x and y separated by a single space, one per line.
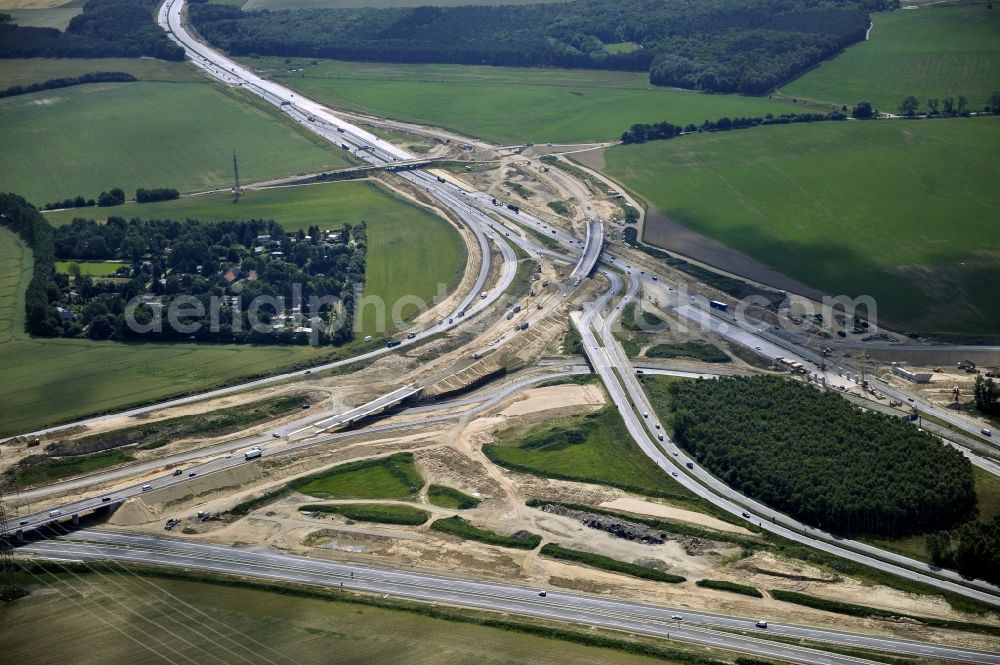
618 376
475 210
586 610
230 454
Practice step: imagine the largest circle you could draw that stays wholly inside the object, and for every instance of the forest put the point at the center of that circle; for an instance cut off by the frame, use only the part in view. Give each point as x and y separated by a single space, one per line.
815 456
747 46
228 263
104 29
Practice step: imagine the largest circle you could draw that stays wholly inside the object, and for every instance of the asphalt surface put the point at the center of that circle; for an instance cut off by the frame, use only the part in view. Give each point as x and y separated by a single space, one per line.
693 627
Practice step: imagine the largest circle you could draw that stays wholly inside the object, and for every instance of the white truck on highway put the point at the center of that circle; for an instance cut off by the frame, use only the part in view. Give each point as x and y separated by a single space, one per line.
253 453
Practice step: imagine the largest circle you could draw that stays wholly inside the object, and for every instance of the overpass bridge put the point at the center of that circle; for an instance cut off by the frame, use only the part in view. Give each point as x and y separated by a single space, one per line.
591 252
348 418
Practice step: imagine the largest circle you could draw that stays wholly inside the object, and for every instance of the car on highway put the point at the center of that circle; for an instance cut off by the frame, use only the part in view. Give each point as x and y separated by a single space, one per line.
645 414
761 624
757 347
673 473
55 513
275 435
543 594
677 617
178 472
192 474
746 515
105 499
986 432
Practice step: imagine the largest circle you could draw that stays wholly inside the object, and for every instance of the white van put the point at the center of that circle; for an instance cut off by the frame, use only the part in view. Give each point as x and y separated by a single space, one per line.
146 488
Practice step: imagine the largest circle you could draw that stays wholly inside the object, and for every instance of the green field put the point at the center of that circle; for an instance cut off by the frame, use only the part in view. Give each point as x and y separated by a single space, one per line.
552 105
607 455
16 71
393 477
88 138
243 625
902 211
49 17
926 52
410 251
458 526
91 268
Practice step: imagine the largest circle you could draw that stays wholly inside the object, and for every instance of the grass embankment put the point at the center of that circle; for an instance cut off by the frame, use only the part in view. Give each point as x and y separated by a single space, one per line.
412 253
554 105
88 138
595 448
919 239
926 52
456 526
64 467
732 587
449 497
383 513
392 477
851 609
703 351
607 563
285 623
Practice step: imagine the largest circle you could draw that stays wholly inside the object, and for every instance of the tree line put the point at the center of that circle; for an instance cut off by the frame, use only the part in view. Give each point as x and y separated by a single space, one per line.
104 29
114 197
973 549
815 456
987 396
67 81
640 133
24 219
715 45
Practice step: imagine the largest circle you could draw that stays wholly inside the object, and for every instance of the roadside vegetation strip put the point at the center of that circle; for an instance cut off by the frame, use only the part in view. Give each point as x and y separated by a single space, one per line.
40 469
449 497
851 609
68 457
392 477
383 513
607 563
702 351
48 573
928 52
457 526
733 587
788 184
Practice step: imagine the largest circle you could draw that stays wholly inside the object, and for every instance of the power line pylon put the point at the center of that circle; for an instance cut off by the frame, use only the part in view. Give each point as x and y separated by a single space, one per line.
237 190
